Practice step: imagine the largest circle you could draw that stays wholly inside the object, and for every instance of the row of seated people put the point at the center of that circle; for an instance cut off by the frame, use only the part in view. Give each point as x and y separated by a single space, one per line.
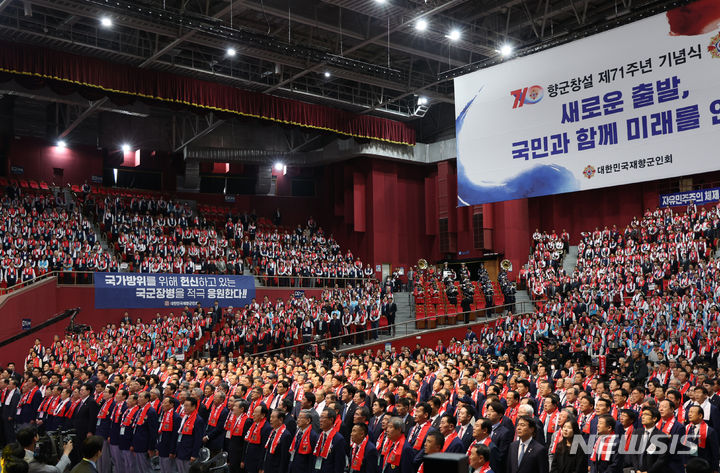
656 253
40 232
525 402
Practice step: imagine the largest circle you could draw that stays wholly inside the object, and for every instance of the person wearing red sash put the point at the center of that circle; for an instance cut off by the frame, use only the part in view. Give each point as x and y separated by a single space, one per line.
397 454
215 433
145 430
704 436
190 434
169 422
329 452
115 419
303 444
452 443
29 402
604 457
236 426
667 423
126 433
277 448
102 427
418 432
255 439
363 453
647 440
480 459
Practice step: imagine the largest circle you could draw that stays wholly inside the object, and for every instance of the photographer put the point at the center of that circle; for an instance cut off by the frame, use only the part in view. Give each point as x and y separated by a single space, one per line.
44 452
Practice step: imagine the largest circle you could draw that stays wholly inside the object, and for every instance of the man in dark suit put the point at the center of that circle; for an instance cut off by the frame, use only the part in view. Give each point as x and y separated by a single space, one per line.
84 419
526 455
452 443
303 444
375 425
29 402
91 451
402 410
464 428
169 422
652 447
216 313
391 311
215 432
346 396
190 434
712 413
277 450
400 455
287 406
145 429
704 436
500 435
329 451
363 456
605 457
9 407
256 439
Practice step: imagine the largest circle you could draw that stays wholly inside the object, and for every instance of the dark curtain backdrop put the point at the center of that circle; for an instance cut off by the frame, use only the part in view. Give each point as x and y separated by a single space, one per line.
42 67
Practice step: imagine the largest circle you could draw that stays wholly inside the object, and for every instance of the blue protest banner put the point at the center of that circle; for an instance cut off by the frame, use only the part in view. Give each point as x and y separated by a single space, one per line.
141 290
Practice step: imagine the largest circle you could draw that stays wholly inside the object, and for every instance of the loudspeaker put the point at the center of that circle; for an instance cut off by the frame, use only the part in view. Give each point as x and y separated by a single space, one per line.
446 463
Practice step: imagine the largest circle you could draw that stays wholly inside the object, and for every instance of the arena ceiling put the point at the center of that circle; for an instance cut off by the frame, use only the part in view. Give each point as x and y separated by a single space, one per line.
366 56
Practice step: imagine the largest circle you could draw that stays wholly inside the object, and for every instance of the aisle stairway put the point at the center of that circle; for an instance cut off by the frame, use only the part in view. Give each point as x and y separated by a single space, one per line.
570 260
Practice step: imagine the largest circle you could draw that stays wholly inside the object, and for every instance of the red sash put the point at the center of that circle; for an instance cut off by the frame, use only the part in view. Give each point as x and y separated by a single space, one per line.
666 425
449 440
117 411
105 409
166 422
602 451
628 436
189 425
322 449
703 433
253 435
143 413
553 420
128 415
215 415
69 413
239 425
486 441
358 454
276 439
395 452
304 448
421 435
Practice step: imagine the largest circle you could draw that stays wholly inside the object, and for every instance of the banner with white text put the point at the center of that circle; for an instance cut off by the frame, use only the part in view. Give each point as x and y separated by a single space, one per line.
637 103
138 290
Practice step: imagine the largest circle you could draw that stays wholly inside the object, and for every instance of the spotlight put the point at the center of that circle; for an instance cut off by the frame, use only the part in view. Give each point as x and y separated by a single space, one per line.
106 22
279 166
327 74
454 35
506 50
230 52
380 1
422 100
421 24
61 144
125 148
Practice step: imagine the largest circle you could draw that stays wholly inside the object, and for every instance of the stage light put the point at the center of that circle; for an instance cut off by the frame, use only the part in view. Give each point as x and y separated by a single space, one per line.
380 1
422 100
61 144
230 52
506 50
125 148
454 35
106 22
279 166
327 74
421 24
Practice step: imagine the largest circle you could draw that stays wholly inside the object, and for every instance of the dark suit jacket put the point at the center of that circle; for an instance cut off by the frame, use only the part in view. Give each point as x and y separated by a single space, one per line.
370 459
711 452
467 437
278 462
347 420
653 459
535 459
614 465
456 446
8 411
189 445
166 441
85 418
216 435
502 437
564 462
406 461
84 467
145 435
335 461
255 453
375 428
303 463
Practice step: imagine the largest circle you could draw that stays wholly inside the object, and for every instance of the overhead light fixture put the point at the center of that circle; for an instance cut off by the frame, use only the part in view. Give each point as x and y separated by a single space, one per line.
422 100
421 24
454 35
125 148
327 74
61 144
380 1
279 166
506 50
106 22
230 52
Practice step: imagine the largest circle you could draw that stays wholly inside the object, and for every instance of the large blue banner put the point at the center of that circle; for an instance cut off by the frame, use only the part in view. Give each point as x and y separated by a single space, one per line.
140 291
699 197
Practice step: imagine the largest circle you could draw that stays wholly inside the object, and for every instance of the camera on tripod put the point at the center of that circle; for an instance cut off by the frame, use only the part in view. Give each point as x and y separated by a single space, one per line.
49 447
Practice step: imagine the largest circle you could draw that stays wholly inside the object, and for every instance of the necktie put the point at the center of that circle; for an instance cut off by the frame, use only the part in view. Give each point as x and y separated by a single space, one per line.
522 453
